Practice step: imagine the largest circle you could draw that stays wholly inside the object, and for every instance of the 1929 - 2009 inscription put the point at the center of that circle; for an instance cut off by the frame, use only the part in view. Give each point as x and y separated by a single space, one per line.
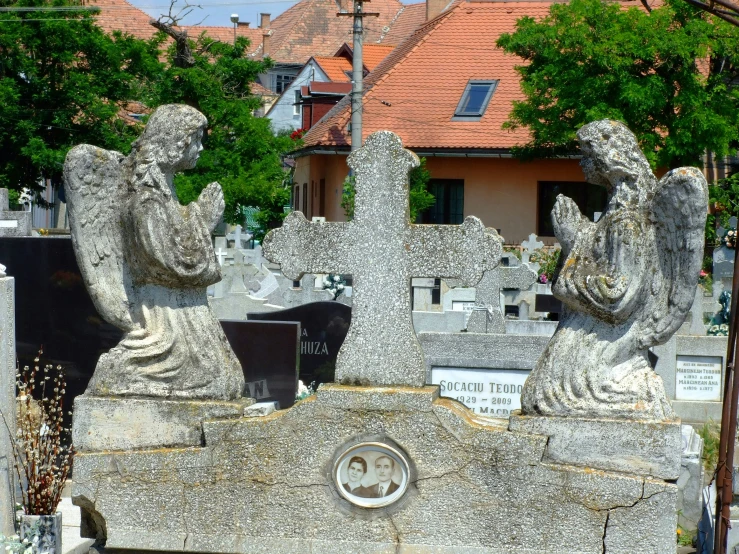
491 392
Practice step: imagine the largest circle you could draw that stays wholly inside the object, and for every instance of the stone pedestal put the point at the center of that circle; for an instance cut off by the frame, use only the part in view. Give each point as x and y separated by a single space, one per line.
266 484
13 224
7 402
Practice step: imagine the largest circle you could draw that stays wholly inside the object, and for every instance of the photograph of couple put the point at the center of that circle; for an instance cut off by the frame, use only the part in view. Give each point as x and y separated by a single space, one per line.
370 475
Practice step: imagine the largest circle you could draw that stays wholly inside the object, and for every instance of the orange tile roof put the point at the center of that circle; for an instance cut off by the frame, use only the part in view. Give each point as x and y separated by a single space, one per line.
335 68
311 28
409 19
373 54
403 98
257 89
119 15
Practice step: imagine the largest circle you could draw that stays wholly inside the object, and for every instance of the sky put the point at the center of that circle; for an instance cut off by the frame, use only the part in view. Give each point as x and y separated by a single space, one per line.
218 12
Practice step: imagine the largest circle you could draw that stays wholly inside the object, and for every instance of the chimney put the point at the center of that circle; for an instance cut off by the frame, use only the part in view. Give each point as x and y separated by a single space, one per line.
265 43
435 7
243 24
264 21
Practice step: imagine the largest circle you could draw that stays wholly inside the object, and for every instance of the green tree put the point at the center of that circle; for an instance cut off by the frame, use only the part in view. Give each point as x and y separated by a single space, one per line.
419 198
666 74
62 80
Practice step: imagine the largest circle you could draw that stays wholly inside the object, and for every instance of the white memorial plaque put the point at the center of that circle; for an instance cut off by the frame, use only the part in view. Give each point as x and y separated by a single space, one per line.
9 224
462 306
491 392
698 378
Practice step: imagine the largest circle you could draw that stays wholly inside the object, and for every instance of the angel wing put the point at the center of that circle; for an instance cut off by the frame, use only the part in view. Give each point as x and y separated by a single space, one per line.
93 187
678 212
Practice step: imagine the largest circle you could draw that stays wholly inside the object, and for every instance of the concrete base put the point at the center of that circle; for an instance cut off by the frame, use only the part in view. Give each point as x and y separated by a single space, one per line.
122 423
641 448
264 484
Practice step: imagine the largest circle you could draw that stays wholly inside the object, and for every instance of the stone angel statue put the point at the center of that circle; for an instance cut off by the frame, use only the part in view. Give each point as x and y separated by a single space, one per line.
626 282
146 261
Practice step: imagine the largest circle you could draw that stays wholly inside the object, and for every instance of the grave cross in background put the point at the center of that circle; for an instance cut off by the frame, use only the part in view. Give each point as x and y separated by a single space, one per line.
529 247
382 251
487 315
240 240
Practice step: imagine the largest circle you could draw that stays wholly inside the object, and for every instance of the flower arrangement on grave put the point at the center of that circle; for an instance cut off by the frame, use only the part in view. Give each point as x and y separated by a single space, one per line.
16 545
547 260
305 391
334 284
42 456
729 238
705 280
719 326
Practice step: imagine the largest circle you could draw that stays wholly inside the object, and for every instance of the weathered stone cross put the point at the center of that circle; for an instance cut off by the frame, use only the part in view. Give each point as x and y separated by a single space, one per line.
487 315
382 251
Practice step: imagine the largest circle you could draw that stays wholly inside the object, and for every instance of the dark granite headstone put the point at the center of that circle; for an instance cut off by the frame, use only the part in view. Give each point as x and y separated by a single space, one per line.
268 352
323 329
548 303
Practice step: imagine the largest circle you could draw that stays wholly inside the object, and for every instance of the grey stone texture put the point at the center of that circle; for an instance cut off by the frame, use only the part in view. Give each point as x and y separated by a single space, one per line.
383 251
146 262
264 485
690 482
13 224
627 283
481 350
7 403
487 315
122 423
636 447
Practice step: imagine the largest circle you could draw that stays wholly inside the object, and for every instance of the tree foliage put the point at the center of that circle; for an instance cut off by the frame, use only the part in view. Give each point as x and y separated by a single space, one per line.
61 82
419 198
666 74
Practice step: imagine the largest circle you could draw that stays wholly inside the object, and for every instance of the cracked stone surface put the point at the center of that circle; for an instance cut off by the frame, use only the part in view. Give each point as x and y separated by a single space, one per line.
383 251
627 283
263 485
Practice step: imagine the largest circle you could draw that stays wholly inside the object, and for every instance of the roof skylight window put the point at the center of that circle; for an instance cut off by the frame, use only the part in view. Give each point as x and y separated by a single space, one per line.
475 99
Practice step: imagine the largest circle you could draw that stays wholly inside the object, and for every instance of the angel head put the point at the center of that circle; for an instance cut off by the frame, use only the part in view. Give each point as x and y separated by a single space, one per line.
172 138
611 155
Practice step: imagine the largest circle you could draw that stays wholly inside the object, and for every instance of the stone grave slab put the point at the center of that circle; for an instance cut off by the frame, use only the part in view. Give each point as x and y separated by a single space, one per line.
699 378
269 355
323 328
13 224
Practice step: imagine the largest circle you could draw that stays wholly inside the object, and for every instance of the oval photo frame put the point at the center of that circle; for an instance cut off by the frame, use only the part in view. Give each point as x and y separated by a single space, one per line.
371 475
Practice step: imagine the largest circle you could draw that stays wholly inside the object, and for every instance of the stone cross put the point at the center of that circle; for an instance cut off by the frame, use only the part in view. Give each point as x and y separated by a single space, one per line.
487 315
382 251
221 255
240 241
529 247
305 294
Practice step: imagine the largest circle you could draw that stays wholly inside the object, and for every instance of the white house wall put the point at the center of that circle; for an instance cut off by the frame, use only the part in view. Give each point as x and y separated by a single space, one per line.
282 113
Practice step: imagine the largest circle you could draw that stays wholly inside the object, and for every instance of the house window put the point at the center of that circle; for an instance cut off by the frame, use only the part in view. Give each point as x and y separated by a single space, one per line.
591 199
448 207
296 198
305 199
296 105
475 99
282 82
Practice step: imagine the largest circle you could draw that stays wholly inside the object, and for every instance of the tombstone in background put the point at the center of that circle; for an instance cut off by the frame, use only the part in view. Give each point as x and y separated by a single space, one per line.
432 472
531 245
288 295
268 353
324 326
7 402
487 315
239 238
13 224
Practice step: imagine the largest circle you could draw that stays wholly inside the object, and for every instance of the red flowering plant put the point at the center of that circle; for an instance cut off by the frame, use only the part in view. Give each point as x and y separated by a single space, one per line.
298 134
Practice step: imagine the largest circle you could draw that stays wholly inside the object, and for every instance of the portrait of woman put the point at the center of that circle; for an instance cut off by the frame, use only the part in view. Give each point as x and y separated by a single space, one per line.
355 471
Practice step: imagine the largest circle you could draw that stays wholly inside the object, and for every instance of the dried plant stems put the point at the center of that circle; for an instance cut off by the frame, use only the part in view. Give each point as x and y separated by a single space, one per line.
42 462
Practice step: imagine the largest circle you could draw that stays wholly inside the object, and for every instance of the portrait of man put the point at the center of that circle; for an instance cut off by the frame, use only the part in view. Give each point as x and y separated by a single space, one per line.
356 469
384 469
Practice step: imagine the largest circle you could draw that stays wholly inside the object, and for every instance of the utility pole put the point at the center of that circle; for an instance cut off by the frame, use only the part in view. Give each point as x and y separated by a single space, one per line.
357 70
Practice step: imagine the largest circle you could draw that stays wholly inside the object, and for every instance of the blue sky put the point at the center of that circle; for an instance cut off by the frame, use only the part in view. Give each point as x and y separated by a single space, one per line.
218 12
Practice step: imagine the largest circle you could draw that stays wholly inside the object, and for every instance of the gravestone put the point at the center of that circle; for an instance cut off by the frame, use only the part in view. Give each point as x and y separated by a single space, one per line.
324 326
382 251
531 245
7 403
312 478
13 224
239 238
268 353
289 296
487 315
